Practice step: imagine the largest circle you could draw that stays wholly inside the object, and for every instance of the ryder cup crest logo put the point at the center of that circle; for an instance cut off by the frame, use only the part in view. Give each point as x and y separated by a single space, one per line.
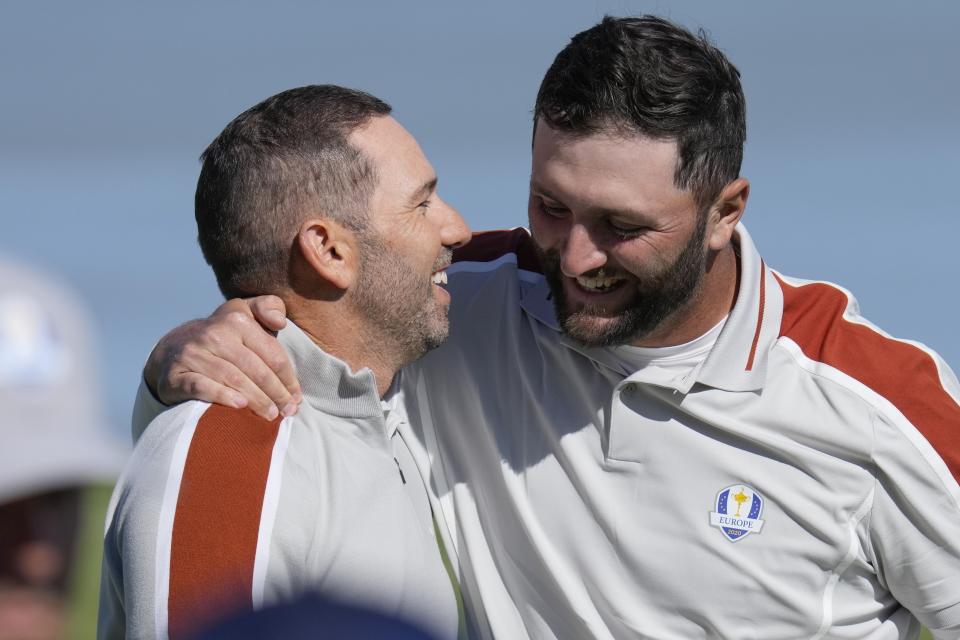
738 511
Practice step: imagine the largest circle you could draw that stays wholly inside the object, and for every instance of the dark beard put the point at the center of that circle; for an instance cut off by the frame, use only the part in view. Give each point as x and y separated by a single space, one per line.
657 297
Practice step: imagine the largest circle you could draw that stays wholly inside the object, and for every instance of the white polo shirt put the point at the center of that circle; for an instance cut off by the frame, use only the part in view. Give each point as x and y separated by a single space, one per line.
221 511
800 482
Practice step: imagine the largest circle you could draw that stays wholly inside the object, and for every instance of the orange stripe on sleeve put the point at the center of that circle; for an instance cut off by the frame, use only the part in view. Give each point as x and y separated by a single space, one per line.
902 373
217 518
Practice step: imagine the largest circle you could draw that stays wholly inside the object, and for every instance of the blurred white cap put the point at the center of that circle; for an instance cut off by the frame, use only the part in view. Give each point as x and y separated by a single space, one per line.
53 432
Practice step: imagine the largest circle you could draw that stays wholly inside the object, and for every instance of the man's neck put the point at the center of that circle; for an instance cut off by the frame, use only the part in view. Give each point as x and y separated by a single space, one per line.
710 304
325 323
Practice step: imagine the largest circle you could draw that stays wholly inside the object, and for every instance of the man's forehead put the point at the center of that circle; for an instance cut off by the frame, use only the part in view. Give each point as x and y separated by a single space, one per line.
601 163
381 138
402 168
626 143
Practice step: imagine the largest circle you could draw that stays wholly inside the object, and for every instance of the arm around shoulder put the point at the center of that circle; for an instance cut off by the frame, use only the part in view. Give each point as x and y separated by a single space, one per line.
230 358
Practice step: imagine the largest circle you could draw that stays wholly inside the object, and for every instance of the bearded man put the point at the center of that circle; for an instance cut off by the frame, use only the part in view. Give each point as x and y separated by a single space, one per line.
640 430
319 197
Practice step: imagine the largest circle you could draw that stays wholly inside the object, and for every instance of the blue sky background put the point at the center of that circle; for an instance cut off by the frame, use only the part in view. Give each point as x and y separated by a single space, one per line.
852 140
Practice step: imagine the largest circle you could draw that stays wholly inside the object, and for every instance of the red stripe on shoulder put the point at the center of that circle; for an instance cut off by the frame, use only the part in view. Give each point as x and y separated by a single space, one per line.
217 520
760 311
900 372
487 246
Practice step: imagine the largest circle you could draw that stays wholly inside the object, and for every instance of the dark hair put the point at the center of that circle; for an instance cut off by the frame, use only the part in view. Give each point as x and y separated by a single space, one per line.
273 165
646 75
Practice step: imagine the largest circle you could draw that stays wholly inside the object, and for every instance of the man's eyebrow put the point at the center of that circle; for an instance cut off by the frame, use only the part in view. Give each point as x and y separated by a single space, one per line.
626 214
425 189
538 188
597 211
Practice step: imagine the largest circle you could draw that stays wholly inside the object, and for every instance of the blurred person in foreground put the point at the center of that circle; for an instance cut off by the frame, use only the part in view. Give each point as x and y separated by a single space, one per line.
54 446
638 429
318 196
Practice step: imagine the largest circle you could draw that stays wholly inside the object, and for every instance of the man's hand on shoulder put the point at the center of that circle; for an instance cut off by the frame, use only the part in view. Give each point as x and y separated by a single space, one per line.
230 358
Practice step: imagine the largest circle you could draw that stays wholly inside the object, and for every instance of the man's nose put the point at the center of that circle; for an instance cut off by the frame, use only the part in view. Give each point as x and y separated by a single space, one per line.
455 231
580 254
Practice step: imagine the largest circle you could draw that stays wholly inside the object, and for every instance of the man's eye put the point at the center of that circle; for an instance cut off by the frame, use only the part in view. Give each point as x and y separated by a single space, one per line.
626 231
556 212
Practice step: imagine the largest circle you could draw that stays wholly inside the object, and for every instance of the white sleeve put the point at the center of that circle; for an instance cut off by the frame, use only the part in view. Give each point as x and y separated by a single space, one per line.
135 521
110 619
914 525
146 407
210 470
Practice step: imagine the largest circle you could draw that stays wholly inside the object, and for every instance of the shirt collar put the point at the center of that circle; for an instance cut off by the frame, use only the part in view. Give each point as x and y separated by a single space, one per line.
327 383
738 360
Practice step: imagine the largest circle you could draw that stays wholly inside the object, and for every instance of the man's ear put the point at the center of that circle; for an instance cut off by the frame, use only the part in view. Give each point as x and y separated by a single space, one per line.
726 212
330 250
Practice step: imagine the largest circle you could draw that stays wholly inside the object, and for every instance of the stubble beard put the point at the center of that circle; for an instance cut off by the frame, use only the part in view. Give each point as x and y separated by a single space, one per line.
657 297
397 302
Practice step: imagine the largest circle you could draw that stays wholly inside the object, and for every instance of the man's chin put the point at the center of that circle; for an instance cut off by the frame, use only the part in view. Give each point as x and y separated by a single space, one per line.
437 336
591 330
435 331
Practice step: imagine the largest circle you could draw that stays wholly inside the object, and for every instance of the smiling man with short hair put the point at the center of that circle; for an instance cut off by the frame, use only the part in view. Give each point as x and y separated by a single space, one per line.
318 196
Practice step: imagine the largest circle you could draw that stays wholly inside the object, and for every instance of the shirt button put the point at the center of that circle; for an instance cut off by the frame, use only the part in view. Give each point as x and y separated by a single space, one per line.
629 388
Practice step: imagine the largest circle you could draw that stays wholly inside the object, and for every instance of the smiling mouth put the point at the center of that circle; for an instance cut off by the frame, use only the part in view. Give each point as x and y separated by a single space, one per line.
439 277
597 284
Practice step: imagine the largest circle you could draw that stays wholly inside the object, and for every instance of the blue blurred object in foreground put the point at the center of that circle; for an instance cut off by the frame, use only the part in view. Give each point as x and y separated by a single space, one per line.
312 617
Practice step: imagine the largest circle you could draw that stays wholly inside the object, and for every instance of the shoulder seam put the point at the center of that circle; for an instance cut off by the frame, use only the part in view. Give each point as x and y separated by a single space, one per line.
867 396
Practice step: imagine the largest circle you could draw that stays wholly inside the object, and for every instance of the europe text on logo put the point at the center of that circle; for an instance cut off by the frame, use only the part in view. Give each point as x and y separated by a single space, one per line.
739 508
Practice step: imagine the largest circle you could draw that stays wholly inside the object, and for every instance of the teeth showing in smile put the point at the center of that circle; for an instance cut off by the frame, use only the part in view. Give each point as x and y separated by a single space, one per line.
598 284
440 277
